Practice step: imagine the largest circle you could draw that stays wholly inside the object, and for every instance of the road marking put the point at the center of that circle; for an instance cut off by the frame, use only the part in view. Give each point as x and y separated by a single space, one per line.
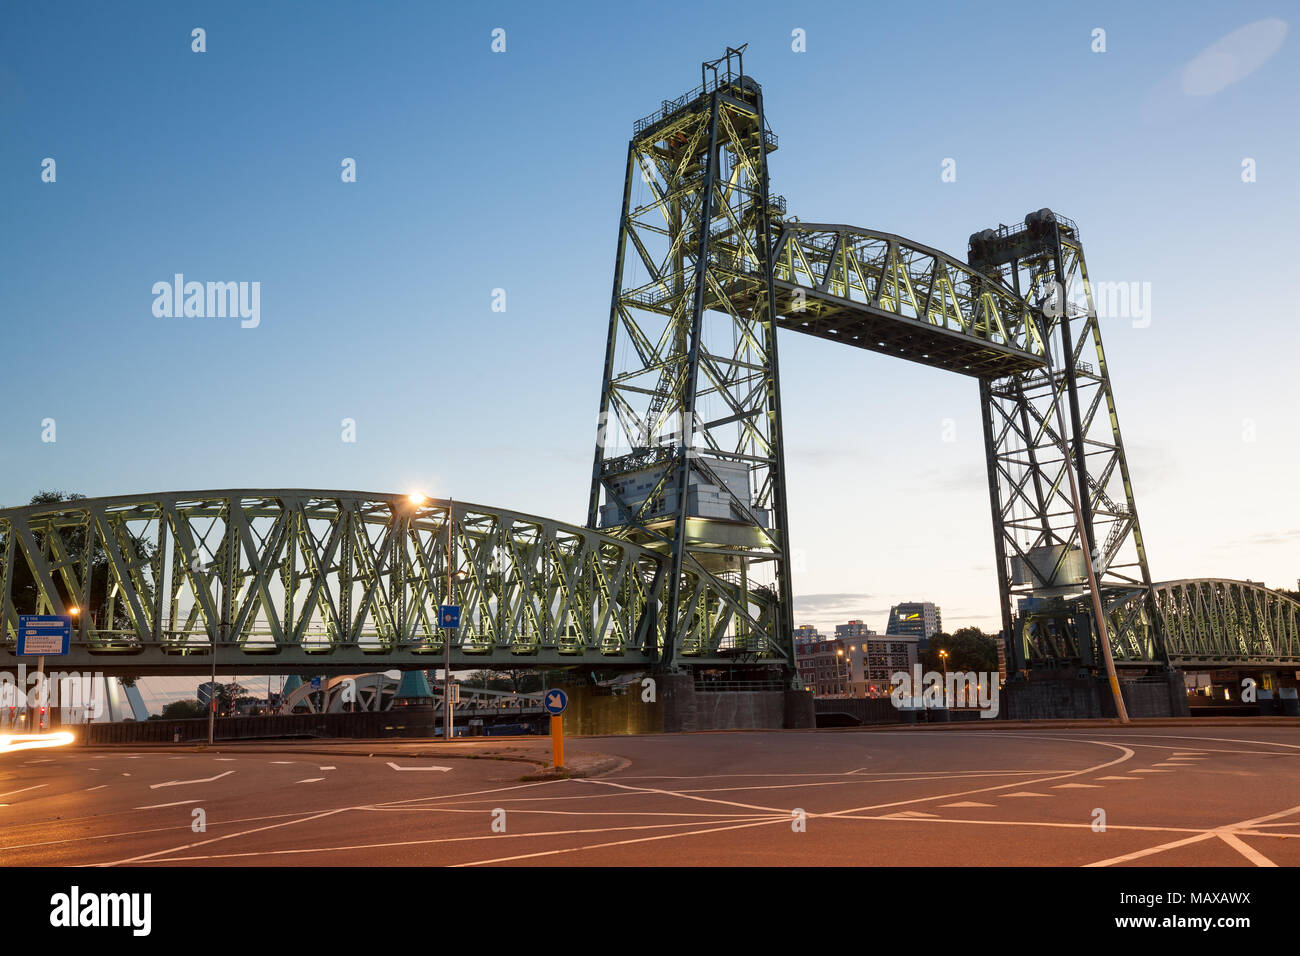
327 768
1077 786
431 767
100 787
1170 765
1246 850
1026 793
1207 835
1147 770
1126 755
228 836
225 759
964 803
24 790
185 783
283 761
683 795
601 846
159 806
1119 778
312 780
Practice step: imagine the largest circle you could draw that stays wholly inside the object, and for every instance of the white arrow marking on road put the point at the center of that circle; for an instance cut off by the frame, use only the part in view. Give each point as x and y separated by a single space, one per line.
396 767
24 790
159 806
183 783
312 780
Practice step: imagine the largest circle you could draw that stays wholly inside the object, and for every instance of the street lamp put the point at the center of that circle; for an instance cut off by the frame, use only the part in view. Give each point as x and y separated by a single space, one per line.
943 659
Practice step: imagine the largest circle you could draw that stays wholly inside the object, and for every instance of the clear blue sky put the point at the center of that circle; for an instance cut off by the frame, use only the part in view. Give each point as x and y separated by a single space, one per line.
479 171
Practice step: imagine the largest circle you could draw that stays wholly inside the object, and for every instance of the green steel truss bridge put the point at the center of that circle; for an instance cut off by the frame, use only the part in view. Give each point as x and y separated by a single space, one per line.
684 559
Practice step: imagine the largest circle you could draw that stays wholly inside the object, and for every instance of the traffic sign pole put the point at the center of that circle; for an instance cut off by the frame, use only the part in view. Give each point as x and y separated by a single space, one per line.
40 704
40 635
554 702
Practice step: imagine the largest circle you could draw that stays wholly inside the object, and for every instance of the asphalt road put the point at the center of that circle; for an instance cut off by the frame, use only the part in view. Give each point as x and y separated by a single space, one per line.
1226 796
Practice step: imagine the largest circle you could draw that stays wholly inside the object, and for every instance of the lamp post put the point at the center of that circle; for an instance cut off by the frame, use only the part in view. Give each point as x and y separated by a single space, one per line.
446 636
943 659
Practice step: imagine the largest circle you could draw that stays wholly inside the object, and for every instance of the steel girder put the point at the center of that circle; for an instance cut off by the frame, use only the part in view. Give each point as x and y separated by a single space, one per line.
1208 621
1035 531
878 291
689 396
322 581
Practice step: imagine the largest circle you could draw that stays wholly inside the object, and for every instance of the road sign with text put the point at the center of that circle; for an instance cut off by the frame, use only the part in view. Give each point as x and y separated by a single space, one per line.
47 635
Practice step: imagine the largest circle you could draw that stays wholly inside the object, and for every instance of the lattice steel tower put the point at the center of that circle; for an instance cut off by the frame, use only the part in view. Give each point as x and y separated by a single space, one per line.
689 456
1040 570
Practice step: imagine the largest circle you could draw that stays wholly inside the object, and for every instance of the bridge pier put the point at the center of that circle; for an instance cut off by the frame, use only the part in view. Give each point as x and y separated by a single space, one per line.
1053 697
680 704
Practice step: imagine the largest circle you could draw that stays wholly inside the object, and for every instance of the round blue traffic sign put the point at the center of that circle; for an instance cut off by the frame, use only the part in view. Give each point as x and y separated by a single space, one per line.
555 700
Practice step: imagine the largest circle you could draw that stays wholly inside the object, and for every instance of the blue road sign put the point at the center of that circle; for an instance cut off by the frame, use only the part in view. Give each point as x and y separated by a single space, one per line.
449 616
43 634
315 683
555 701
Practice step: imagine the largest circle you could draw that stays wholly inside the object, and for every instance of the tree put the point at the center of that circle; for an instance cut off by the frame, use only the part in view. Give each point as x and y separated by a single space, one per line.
969 649
183 710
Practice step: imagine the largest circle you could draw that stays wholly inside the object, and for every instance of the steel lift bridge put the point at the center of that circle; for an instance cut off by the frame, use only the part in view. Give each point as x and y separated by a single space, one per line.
684 560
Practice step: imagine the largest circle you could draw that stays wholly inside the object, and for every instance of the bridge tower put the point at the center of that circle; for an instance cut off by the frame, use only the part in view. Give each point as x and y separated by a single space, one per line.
1041 575
689 456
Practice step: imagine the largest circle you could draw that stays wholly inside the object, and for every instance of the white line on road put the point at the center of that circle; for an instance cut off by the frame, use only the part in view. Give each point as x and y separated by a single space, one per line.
312 780
24 790
1207 835
396 767
184 783
100 787
159 806
327 768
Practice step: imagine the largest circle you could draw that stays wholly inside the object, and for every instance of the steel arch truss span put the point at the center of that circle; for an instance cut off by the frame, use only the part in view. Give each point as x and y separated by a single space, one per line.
1208 621
321 581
